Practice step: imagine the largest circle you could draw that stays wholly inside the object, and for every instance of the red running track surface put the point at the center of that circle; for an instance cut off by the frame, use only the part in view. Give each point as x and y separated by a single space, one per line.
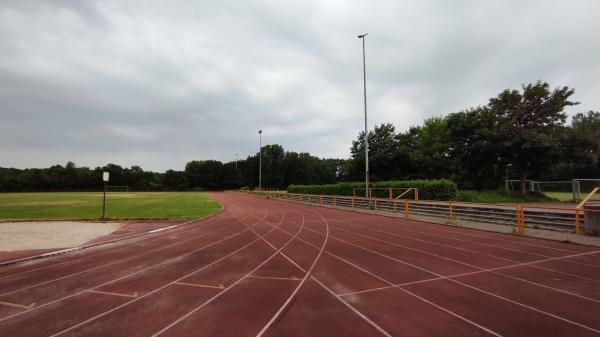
274 268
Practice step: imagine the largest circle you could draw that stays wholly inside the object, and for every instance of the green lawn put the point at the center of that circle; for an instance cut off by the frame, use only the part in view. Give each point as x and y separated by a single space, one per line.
497 197
119 205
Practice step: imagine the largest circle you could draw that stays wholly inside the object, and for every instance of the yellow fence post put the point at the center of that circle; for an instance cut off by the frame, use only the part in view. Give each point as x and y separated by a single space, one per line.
376 204
405 209
333 202
451 212
390 193
577 222
416 194
522 220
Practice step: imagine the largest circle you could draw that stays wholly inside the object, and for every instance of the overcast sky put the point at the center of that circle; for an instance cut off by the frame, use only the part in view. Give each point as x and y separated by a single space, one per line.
159 83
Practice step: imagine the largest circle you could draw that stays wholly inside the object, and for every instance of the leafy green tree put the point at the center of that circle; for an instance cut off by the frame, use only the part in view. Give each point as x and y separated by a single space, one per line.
530 123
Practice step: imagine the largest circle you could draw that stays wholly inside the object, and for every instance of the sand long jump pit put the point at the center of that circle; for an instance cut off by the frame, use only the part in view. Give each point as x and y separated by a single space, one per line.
51 234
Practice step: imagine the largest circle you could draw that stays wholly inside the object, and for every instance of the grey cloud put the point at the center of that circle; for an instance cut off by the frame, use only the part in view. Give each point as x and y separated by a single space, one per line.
157 84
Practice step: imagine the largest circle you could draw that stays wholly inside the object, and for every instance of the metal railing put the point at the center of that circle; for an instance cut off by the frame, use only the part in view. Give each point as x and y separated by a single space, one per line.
452 212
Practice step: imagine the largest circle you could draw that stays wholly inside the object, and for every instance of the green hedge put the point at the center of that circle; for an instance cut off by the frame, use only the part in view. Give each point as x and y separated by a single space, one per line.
428 189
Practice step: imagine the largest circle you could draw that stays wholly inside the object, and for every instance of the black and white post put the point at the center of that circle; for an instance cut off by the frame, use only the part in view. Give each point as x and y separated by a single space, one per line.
366 132
259 160
104 180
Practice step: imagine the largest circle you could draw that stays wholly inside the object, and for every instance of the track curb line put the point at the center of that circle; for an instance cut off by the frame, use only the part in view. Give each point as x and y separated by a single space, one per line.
68 250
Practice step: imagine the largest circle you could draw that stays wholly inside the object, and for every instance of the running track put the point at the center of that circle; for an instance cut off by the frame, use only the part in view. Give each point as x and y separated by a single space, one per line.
273 268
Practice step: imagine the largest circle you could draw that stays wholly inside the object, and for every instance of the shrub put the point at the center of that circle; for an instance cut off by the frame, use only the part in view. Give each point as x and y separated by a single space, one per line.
428 189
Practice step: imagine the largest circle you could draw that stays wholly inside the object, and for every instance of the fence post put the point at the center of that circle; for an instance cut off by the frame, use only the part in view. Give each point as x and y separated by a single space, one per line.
405 209
522 223
333 202
375 203
321 200
390 193
352 202
395 205
577 222
451 212
416 194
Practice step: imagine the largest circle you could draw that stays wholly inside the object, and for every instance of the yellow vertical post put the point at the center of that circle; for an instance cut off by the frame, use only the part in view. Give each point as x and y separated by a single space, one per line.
577 222
375 203
333 202
352 202
451 212
416 194
405 209
390 193
518 217
370 192
522 220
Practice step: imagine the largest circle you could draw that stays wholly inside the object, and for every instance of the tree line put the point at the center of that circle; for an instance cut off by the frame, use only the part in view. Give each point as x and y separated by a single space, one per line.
519 134
279 169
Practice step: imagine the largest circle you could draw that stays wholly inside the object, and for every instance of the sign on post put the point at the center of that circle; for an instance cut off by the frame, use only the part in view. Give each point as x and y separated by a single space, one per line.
105 180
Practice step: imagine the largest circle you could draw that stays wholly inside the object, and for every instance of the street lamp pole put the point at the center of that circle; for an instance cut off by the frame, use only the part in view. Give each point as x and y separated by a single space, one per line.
366 133
260 159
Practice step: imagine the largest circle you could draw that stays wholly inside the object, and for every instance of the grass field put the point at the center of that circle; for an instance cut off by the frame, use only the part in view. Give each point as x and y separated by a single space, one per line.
496 197
119 205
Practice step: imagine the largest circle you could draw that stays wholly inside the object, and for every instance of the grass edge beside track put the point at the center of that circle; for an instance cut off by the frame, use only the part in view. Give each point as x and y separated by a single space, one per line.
220 209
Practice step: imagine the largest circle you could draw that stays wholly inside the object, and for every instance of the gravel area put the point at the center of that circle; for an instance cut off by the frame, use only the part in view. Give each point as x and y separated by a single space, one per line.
51 234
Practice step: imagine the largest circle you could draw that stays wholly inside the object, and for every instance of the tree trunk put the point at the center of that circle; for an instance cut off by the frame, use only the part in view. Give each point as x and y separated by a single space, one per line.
523 181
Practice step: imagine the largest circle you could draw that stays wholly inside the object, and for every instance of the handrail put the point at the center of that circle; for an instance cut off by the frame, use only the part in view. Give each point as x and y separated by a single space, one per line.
594 191
408 190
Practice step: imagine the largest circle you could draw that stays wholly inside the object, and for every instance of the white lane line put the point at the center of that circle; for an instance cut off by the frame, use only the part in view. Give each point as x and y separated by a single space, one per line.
191 312
356 311
493 246
532 263
472 287
125 276
481 270
306 274
114 262
81 258
339 297
158 289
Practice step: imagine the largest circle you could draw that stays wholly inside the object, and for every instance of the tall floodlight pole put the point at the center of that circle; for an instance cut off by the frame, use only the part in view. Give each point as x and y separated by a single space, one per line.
366 133
260 159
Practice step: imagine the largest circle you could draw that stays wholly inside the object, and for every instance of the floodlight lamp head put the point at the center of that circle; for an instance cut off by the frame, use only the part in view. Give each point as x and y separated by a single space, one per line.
362 36
259 132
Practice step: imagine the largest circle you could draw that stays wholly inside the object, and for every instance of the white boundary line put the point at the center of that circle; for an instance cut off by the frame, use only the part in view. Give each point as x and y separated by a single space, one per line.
83 257
489 255
117 261
191 312
471 287
123 277
162 287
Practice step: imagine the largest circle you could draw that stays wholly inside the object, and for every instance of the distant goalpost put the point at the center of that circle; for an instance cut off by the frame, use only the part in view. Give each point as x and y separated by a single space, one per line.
577 187
114 188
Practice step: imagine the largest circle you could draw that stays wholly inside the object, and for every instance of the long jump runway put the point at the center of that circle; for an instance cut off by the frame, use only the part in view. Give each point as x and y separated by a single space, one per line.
273 268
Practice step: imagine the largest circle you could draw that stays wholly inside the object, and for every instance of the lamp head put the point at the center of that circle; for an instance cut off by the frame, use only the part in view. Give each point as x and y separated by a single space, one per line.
362 36
259 132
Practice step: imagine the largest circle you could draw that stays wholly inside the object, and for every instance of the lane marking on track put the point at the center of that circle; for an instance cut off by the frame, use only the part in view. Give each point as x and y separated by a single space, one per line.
220 286
15 305
293 278
134 295
531 263
166 285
